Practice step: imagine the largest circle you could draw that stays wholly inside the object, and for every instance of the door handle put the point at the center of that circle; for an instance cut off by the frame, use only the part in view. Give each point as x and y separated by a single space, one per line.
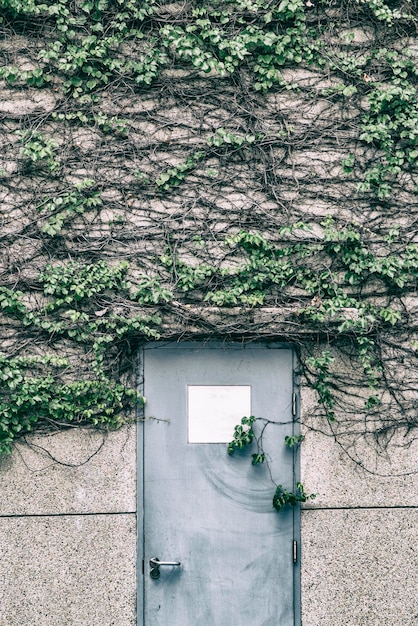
155 565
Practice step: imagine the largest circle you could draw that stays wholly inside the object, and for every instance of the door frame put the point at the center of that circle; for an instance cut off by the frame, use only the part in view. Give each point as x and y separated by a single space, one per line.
141 568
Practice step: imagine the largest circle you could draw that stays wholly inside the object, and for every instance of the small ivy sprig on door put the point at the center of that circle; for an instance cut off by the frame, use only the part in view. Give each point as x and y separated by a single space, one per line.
244 436
283 497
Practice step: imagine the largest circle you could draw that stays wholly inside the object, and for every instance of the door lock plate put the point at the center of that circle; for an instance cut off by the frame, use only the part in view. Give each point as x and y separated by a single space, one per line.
155 573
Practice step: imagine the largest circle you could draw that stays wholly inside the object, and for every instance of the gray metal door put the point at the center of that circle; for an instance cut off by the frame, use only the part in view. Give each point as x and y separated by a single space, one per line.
208 513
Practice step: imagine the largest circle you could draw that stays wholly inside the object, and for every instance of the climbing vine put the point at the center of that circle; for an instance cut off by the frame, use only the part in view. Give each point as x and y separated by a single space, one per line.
237 168
245 435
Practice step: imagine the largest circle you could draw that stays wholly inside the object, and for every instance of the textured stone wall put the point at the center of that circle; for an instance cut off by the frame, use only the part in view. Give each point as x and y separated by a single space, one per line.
68 530
359 536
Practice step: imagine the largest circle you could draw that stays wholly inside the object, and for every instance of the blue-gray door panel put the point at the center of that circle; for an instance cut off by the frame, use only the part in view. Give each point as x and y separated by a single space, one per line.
210 511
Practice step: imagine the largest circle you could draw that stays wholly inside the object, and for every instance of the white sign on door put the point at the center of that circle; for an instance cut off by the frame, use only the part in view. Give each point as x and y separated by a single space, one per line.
214 410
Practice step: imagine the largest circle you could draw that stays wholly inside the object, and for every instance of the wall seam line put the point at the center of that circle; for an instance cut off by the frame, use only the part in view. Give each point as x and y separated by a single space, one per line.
85 514
359 508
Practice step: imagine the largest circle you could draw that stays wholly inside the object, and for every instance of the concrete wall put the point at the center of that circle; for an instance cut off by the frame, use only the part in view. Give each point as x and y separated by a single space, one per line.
68 531
360 535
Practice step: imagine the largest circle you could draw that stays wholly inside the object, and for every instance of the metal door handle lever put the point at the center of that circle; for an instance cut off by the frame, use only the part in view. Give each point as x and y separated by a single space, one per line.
155 565
154 562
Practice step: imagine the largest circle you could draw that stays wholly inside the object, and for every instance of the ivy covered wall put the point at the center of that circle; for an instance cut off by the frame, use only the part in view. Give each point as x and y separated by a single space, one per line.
235 169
